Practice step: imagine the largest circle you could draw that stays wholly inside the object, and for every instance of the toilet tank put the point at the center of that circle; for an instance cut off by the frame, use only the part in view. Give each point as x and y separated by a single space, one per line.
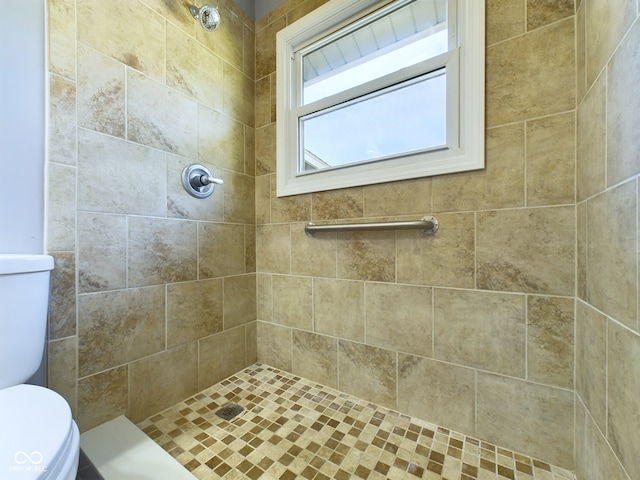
24 299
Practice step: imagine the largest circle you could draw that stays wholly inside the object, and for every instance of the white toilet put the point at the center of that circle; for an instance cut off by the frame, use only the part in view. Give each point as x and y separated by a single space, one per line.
38 437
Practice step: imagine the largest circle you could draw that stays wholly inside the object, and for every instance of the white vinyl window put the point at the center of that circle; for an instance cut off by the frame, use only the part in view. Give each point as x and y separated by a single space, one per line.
373 91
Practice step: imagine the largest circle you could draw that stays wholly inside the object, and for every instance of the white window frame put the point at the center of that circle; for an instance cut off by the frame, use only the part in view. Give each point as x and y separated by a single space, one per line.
465 101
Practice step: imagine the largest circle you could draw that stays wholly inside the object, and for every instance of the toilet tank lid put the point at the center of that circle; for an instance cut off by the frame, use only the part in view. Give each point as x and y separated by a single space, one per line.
24 263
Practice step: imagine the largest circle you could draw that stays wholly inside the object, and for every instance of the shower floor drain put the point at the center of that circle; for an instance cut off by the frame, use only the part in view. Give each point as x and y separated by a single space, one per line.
230 411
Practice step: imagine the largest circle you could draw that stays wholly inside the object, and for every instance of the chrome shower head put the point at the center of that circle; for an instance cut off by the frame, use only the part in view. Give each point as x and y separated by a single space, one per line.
208 16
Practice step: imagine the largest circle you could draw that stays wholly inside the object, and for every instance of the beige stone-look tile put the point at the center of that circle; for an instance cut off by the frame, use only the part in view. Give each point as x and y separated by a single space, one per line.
249 150
62 37
120 165
581 54
263 199
266 47
523 416
594 457
182 205
102 252
531 75
274 345
528 250
220 250
442 392
220 355
293 301
398 198
263 101
623 110
193 69
172 376
623 395
612 249
102 397
480 330
368 372
62 121
220 139
544 12
159 116
581 252
101 93
501 183
550 340
176 13
62 299
295 208
607 22
239 198
118 327
161 251
314 256
251 343
62 361
338 307
238 95
239 300
505 19
266 149
445 258
334 204
128 31
273 248
399 317
264 297
591 361
249 51
61 208
367 256
551 160
591 148
250 249
315 357
194 311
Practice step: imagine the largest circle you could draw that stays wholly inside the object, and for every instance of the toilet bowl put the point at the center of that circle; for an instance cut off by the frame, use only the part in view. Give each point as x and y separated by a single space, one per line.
38 437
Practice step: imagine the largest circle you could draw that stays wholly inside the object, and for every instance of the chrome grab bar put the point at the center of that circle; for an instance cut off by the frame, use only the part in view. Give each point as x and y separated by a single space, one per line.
427 225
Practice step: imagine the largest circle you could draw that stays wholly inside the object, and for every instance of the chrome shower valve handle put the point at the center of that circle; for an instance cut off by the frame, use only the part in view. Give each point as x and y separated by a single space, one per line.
198 181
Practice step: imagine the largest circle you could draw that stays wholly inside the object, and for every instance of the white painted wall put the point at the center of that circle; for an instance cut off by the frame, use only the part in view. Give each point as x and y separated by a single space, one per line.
22 125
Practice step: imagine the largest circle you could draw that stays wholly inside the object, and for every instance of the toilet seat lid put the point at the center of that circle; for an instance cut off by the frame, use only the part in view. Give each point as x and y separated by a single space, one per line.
36 426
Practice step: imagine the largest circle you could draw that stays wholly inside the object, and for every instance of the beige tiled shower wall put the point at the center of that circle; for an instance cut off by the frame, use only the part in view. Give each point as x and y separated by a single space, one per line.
153 291
471 328
607 328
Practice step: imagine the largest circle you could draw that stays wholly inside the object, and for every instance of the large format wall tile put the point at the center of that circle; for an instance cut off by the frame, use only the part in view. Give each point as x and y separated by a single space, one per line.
315 357
612 253
442 392
102 397
239 300
62 299
62 371
505 19
273 248
161 251
623 396
119 165
315 255
102 252
531 75
194 310
61 214
172 375
274 345
220 249
338 307
220 139
480 330
292 301
128 31
399 317
62 37
182 205
160 117
529 250
591 126
524 416
118 327
541 13
368 372
367 256
62 123
623 110
220 356
591 361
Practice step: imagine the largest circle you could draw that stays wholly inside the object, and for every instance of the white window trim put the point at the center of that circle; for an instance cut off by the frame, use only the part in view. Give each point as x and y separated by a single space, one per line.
468 154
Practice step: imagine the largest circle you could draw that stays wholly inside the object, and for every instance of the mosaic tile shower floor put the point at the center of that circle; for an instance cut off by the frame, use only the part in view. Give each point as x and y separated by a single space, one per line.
294 428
